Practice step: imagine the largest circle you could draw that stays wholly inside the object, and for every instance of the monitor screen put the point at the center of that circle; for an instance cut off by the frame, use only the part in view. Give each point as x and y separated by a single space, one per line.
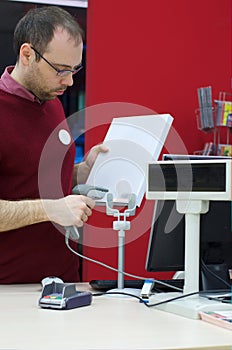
166 245
166 249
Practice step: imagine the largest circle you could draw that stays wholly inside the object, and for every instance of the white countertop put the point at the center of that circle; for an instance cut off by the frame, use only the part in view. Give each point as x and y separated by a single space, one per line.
110 322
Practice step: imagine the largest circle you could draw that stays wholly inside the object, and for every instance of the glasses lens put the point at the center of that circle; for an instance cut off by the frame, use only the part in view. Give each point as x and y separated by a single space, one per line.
66 72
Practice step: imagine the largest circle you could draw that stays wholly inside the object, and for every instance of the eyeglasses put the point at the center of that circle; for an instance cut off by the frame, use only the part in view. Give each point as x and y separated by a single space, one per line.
60 72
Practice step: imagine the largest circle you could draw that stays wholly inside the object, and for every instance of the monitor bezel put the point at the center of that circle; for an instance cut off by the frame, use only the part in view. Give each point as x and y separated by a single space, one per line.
190 195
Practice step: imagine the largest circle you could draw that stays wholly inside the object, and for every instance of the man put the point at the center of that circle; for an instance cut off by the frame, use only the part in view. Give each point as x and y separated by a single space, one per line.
36 152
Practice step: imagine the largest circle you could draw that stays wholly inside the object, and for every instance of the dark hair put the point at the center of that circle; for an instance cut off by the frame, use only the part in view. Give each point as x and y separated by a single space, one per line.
38 25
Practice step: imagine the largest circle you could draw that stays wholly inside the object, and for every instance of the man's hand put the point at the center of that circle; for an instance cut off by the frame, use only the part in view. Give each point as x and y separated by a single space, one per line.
73 210
93 153
82 170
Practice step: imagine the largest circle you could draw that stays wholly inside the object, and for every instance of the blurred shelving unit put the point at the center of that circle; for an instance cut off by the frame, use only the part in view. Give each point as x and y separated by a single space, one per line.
215 117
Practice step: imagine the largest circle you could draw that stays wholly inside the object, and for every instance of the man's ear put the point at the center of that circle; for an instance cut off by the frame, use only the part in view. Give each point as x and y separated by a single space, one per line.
26 54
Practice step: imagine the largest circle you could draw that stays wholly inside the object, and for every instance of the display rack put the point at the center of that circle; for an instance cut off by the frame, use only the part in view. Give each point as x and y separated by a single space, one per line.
215 117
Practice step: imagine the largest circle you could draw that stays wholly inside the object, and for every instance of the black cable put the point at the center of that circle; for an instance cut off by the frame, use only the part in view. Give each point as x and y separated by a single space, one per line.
172 299
119 293
223 299
145 302
214 274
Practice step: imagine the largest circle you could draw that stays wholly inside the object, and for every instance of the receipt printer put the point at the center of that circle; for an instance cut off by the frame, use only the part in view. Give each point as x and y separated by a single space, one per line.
63 296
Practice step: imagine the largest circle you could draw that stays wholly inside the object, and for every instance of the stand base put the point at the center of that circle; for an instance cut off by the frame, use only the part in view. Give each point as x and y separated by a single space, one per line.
187 307
132 291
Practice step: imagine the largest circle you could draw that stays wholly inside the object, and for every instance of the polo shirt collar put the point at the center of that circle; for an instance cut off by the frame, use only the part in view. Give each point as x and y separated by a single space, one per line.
13 87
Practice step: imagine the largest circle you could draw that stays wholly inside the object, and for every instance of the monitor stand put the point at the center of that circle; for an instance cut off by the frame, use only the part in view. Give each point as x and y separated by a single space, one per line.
190 306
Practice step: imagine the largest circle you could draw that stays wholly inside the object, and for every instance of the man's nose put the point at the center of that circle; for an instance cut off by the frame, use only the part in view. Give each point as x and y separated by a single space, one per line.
67 80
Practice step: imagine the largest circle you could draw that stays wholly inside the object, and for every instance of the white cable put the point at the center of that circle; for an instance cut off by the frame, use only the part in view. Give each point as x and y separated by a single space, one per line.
114 269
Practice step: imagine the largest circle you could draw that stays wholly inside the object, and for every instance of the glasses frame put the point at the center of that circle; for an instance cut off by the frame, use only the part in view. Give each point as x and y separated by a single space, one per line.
59 72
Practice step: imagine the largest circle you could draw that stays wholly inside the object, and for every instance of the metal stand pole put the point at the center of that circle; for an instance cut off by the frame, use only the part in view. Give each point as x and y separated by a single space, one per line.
121 257
121 225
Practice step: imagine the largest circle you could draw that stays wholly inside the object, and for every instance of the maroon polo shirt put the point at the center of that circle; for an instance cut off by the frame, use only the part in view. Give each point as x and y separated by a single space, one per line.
35 162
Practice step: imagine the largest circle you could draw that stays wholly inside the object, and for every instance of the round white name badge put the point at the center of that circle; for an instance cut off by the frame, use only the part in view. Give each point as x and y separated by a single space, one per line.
64 137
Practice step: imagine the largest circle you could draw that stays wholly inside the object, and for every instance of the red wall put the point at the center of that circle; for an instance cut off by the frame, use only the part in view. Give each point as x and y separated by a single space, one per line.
145 57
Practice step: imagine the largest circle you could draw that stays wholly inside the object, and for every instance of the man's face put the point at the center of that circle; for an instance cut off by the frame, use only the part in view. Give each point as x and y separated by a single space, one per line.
41 79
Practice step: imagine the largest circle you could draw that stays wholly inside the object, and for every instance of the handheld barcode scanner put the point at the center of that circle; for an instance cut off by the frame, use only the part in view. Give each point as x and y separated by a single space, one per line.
94 192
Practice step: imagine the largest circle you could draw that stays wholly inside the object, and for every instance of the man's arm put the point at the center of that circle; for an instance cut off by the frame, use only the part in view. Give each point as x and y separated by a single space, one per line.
67 211
15 214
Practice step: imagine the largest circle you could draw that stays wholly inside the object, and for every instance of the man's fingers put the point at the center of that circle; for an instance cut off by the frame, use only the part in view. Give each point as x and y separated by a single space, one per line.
89 202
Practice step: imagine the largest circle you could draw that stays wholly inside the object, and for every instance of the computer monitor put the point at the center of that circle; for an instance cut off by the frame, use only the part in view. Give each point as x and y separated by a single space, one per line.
166 248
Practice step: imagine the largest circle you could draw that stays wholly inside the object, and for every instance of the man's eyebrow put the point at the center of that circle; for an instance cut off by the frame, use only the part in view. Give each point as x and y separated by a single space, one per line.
66 66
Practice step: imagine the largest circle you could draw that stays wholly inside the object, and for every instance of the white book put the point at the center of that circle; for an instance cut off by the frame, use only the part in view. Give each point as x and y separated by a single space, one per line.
132 142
